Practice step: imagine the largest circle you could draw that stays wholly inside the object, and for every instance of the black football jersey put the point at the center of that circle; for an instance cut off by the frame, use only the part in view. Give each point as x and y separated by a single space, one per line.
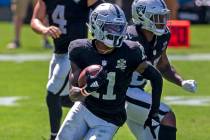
108 102
153 50
71 17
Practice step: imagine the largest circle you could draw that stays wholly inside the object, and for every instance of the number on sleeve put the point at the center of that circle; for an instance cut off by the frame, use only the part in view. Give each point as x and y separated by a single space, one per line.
58 18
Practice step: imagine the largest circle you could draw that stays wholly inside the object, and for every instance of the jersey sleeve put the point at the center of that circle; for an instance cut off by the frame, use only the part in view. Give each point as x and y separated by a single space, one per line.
75 51
82 3
138 55
168 36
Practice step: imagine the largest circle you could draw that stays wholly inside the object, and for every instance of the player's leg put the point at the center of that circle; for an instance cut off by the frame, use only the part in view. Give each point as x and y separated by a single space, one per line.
101 133
58 80
74 126
136 129
99 129
19 9
167 130
66 102
138 104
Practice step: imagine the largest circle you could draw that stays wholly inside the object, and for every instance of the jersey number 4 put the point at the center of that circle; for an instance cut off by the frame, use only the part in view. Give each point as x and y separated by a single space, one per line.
110 88
59 18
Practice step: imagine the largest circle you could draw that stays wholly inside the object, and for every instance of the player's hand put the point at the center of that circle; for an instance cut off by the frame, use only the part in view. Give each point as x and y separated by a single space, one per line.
52 31
152 122
189 85
95 82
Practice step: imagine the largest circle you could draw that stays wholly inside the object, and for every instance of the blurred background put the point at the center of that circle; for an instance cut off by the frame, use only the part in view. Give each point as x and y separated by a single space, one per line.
197 11
24 71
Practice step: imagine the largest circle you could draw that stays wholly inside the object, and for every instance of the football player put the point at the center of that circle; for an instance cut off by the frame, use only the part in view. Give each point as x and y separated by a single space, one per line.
67 21
150 29
100 109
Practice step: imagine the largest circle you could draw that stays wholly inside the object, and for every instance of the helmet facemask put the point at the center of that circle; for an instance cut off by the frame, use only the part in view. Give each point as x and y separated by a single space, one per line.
156 23
114 34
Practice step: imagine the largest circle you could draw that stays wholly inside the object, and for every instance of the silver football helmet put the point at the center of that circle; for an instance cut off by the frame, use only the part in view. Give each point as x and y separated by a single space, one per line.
152 15
108 24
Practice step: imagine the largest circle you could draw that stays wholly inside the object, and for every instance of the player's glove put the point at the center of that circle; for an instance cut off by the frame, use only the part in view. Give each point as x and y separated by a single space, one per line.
95 82
152 122
189 85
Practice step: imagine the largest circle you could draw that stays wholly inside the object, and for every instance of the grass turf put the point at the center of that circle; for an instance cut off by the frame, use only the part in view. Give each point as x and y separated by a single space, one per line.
29 120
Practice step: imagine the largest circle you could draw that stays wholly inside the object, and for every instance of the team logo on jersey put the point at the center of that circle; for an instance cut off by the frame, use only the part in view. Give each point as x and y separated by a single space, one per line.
121 64
104 63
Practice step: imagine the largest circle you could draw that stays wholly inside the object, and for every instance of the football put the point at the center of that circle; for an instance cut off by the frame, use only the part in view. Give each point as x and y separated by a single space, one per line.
92 70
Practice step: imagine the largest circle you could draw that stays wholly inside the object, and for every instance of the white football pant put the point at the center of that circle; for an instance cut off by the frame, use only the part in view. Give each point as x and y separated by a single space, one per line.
138 106
81 124
58 74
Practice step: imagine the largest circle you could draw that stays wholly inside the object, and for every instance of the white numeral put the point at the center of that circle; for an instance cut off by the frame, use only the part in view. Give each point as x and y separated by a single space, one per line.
110 88
58 18
110 91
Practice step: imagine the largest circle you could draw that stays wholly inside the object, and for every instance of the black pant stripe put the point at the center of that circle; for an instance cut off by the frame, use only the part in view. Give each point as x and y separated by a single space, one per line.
64 84
143 104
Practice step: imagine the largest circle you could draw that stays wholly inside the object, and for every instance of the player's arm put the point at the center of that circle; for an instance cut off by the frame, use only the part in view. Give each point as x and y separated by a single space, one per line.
75 92
38 20
170 74
152 74
168 71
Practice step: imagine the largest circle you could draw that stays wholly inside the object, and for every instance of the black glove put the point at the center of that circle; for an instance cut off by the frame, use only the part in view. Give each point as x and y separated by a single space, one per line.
152 117
95 82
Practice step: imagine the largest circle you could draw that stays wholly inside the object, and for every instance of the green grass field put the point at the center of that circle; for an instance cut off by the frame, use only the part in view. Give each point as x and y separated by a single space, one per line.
29 118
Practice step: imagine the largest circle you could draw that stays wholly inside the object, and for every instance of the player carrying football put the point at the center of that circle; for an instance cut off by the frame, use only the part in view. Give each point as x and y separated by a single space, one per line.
102 112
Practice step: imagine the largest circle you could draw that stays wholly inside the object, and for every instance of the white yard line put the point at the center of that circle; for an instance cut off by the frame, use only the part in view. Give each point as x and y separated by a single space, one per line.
191 57
170 100
24 57
11 100
46 57
187 100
